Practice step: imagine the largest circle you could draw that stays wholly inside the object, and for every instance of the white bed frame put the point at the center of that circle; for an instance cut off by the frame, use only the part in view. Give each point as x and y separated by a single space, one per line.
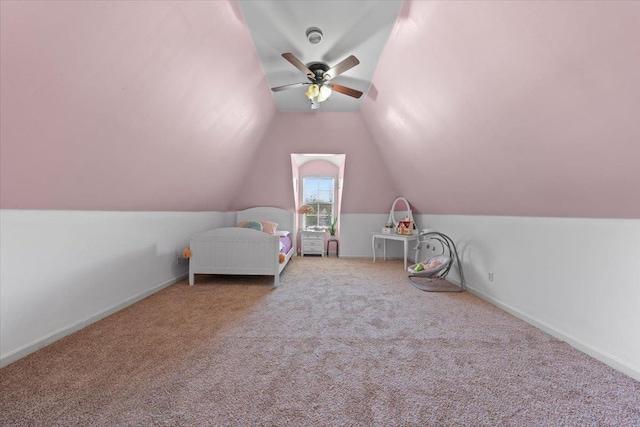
242 251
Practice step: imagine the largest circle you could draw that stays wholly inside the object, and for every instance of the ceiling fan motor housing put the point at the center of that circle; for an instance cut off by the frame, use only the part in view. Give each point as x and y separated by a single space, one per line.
318 68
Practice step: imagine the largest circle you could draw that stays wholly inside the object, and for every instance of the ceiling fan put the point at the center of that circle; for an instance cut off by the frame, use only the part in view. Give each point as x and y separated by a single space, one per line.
320 75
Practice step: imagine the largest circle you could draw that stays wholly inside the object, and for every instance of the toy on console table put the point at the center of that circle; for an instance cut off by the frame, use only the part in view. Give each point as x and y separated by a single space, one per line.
405 226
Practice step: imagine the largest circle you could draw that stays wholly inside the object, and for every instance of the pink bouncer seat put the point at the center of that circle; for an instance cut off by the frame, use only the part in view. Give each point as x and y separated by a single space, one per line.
430 275
431 267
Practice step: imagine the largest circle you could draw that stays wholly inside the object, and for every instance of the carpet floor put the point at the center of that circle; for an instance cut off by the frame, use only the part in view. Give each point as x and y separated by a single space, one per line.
341 342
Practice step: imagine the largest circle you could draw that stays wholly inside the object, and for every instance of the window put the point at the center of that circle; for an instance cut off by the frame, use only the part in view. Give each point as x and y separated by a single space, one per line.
318 192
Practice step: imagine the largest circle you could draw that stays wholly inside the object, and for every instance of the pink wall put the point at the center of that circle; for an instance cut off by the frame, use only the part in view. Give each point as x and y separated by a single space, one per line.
506 108
512 108
127 105
368 187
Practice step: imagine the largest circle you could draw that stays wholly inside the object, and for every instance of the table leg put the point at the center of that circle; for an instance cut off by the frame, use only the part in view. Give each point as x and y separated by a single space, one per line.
373 245
385 249
406 248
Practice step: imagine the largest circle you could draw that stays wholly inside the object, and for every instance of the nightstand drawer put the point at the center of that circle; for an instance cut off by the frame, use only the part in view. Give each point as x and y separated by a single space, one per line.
312 235
318 251
315 243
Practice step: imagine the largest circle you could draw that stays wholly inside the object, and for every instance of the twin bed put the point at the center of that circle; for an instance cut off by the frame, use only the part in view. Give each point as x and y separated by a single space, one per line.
245 251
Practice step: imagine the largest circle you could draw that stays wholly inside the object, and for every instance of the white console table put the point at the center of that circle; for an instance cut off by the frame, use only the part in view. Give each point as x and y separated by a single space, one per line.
402 237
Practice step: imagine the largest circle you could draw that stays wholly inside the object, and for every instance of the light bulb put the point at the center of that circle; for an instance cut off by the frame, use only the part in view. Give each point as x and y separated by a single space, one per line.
313 91
325 92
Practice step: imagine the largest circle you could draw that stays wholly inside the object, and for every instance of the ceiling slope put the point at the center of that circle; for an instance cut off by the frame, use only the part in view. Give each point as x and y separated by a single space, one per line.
127 105
506 108
512 108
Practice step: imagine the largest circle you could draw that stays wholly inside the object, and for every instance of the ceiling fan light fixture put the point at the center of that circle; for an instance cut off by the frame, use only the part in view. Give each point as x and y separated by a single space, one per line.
325 93
313 91
314 35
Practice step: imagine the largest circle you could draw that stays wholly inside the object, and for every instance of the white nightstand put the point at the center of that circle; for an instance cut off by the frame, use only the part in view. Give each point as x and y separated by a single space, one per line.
311 242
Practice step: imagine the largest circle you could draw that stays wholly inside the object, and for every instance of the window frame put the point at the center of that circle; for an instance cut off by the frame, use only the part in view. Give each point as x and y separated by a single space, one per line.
315 205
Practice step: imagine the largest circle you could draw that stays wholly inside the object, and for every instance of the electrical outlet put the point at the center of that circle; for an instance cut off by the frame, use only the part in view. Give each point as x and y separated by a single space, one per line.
490 275
178 260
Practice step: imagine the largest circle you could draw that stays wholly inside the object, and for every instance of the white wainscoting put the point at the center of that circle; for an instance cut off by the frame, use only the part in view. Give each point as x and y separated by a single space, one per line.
577 279
63 270
355 237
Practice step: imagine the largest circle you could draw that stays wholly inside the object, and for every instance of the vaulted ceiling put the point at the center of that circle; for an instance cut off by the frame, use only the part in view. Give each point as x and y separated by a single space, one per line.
358 28
497 108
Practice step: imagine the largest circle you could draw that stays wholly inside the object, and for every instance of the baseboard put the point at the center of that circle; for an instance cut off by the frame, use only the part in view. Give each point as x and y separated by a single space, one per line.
603 357
370 258
55 336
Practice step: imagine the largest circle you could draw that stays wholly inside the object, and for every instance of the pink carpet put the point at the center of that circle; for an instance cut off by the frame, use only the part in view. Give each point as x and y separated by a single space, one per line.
340 343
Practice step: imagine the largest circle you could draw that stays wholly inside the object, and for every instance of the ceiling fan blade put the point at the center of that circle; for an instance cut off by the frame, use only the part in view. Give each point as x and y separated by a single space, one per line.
346 90
291 86
298 64
340 68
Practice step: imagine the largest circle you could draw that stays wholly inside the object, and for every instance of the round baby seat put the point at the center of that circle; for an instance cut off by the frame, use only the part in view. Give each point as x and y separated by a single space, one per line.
442 253
430 267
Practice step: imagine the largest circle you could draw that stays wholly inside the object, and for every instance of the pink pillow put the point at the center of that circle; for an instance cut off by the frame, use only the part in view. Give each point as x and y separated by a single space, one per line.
269 227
